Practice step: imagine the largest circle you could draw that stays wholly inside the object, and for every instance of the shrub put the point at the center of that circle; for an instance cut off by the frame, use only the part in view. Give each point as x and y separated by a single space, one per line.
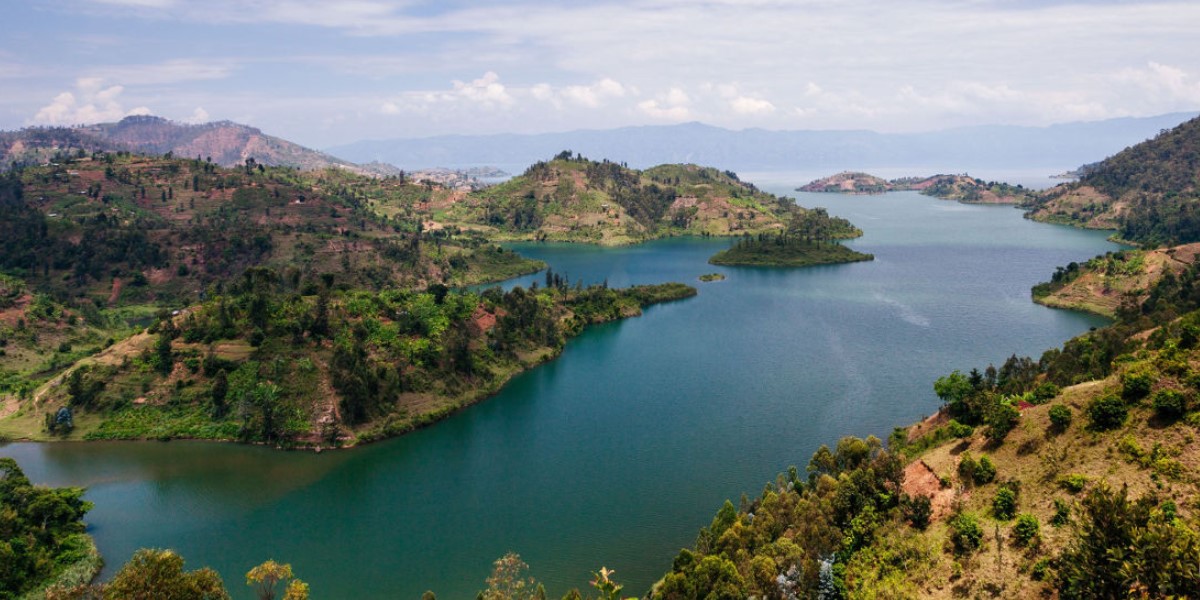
1107 412
967 467
1073 483
1062 513
1004 505
1040 569
965 533
917 510
1060 417
985 471
1170 403
960 430
1026 530
1001 420
1045 393
1135 385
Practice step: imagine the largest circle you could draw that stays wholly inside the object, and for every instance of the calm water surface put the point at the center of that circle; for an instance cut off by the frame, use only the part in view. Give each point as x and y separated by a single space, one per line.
616 453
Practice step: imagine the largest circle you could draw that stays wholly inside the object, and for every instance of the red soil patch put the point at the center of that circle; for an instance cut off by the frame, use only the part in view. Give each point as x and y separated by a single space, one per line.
920 480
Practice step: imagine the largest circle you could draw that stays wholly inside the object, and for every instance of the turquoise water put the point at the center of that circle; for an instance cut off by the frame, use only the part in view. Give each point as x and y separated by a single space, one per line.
616 453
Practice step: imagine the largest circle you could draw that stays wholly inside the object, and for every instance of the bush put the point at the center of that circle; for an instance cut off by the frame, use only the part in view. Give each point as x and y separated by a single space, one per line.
917 510
1001 420
1074 483
1171 404
1060 417
1040 569
960 430
965 533
1044 393
967 467
1135 385
1026 530
1004 505
985 471
1107 412
1062 513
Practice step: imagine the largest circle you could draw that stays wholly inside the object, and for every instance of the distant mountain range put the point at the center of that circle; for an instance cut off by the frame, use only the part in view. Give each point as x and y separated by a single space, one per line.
952 150
226 143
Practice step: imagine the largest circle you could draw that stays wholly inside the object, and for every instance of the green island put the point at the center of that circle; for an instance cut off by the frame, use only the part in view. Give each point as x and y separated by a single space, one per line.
710 277
571 198
809 240
961 188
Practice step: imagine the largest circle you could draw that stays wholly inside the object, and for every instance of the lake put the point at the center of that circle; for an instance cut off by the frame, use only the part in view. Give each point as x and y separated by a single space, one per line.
619 451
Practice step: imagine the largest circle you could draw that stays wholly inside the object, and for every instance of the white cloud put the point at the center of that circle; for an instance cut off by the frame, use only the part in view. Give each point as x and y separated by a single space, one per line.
91 102
595 95
745 105
198 116
487 91
670 106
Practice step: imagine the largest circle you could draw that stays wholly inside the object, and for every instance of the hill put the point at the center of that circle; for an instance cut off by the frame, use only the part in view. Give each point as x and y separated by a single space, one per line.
571 198
97 248
848 182
225 143
1147 192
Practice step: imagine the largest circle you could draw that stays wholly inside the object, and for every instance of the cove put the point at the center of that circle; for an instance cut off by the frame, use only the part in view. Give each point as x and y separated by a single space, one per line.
616 453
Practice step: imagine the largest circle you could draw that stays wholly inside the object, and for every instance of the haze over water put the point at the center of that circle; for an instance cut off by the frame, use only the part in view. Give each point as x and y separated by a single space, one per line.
619 451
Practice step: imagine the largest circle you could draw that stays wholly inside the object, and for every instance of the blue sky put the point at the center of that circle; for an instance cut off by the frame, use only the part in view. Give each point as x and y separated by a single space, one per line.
323 73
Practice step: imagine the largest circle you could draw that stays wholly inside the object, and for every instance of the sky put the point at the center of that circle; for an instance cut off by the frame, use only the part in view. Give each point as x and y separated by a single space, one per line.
325 73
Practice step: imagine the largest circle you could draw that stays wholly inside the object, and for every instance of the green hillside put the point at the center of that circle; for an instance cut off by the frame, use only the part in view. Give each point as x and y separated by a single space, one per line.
1148 192
575 199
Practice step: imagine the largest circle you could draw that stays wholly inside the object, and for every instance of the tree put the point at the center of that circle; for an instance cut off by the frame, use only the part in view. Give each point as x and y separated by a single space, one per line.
508 581
266 576
954 389
154 574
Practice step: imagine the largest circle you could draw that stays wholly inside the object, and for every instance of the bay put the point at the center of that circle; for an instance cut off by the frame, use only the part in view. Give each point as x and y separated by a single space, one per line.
619 451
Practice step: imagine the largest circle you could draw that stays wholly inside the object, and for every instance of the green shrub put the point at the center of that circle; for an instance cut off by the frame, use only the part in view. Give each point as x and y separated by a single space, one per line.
1171 404
1060 417
985 471
967 467
917 510
1135 385
1107 412
1001 420
1040 569
1062 513
1026 530
960 430
1045 393
965 533
1004 505
1074 483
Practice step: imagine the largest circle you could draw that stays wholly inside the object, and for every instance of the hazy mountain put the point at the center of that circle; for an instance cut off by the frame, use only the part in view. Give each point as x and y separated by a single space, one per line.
951 150
227 143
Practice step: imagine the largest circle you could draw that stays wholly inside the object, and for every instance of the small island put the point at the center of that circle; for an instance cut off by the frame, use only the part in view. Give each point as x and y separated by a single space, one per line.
962 188
811 239
710 277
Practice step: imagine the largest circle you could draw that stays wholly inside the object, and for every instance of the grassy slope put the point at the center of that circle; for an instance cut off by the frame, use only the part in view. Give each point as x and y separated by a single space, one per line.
1102 284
